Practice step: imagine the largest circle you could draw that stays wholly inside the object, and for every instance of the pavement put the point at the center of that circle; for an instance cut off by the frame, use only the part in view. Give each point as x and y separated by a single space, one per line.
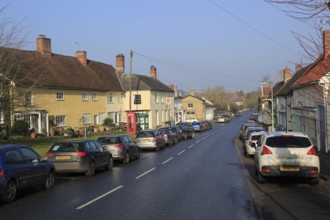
325 165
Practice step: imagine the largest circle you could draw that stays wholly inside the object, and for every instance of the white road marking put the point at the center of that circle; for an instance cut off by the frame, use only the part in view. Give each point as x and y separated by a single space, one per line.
138 177
168 160
181 152
100 197
191 146
197 141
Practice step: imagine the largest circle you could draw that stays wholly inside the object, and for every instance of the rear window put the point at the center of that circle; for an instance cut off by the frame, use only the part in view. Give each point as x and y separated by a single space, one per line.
145 134
65 147
288 142
109 140
255 137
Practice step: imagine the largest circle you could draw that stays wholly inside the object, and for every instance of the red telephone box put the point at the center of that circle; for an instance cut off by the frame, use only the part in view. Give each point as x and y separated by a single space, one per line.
131 123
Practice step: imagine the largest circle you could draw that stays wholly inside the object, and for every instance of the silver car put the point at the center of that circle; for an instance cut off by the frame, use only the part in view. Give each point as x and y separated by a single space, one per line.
121 146
150 139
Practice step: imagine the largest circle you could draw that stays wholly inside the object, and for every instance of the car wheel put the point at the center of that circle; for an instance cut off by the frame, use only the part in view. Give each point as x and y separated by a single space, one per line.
110 164
171 143
10 192
185 136
126 158
91 169
314 181
261 179
50 180
157 148
138 155
193 135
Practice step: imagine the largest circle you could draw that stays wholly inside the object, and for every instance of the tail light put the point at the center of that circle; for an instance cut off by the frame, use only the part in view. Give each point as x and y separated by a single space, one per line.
251 142
80 154
49 154
154 140
312 151
165 136
314 171
118 146
2 175
265 151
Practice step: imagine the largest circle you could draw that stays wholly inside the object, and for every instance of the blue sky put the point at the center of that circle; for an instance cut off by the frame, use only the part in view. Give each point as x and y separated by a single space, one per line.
200 43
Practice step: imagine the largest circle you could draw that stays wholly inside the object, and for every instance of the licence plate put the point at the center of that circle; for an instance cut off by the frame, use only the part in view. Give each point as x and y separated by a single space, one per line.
63 157
145 140
292 169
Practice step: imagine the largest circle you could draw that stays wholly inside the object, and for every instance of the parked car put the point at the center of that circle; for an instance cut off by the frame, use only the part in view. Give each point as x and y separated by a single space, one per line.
221 119
197 126
187 131
150 139
121 146
286 154
177 131
249 145
79 156
22 167
251 129
244 126
184 123
169 136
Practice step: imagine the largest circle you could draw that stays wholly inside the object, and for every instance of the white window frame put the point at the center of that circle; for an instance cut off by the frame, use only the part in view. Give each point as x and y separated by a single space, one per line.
28 98
84 96
86 119
190 105
60 120
94 96
2 118
110 97
59 96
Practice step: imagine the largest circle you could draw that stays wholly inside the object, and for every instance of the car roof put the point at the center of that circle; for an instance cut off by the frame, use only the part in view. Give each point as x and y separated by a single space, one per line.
283 133
112 135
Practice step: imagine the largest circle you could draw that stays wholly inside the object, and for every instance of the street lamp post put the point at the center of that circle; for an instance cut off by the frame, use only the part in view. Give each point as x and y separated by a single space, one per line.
272 101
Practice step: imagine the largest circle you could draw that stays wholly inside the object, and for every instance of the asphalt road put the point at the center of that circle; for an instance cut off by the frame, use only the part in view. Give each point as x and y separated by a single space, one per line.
207 177
199 178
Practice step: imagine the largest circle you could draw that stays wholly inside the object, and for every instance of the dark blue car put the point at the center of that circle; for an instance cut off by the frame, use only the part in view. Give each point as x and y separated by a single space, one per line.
22 167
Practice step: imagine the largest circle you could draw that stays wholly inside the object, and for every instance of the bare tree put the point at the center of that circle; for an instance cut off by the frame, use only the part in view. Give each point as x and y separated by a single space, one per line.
11 39
304 9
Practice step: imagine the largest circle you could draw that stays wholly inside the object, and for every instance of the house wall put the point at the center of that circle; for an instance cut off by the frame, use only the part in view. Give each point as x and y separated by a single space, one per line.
158 105
115 107
72 106
198 107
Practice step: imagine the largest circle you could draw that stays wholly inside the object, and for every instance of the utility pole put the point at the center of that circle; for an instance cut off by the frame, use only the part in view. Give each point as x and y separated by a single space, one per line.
130 82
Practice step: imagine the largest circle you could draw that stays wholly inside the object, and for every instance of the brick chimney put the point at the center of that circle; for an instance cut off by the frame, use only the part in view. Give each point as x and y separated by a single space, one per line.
192 91
153 72
120 63
286 74
326 42
298 67
82 57
44 45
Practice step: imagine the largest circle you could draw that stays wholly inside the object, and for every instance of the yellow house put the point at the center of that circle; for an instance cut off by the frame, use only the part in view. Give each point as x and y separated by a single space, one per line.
194 107
64 91
150 98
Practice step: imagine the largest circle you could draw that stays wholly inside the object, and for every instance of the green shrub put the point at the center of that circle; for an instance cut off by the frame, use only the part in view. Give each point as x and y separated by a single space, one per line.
20 127
108 122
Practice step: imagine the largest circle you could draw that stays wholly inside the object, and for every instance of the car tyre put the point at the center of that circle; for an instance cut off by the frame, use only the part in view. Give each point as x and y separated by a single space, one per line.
261 179
157 149
185 136
314 181
10 192
50 180
110 164
126 158
193 135
91 169
138 155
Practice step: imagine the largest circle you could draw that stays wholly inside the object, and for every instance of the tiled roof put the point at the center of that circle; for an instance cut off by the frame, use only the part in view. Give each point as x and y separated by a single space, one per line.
314 73
287 87
59 71
142 82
